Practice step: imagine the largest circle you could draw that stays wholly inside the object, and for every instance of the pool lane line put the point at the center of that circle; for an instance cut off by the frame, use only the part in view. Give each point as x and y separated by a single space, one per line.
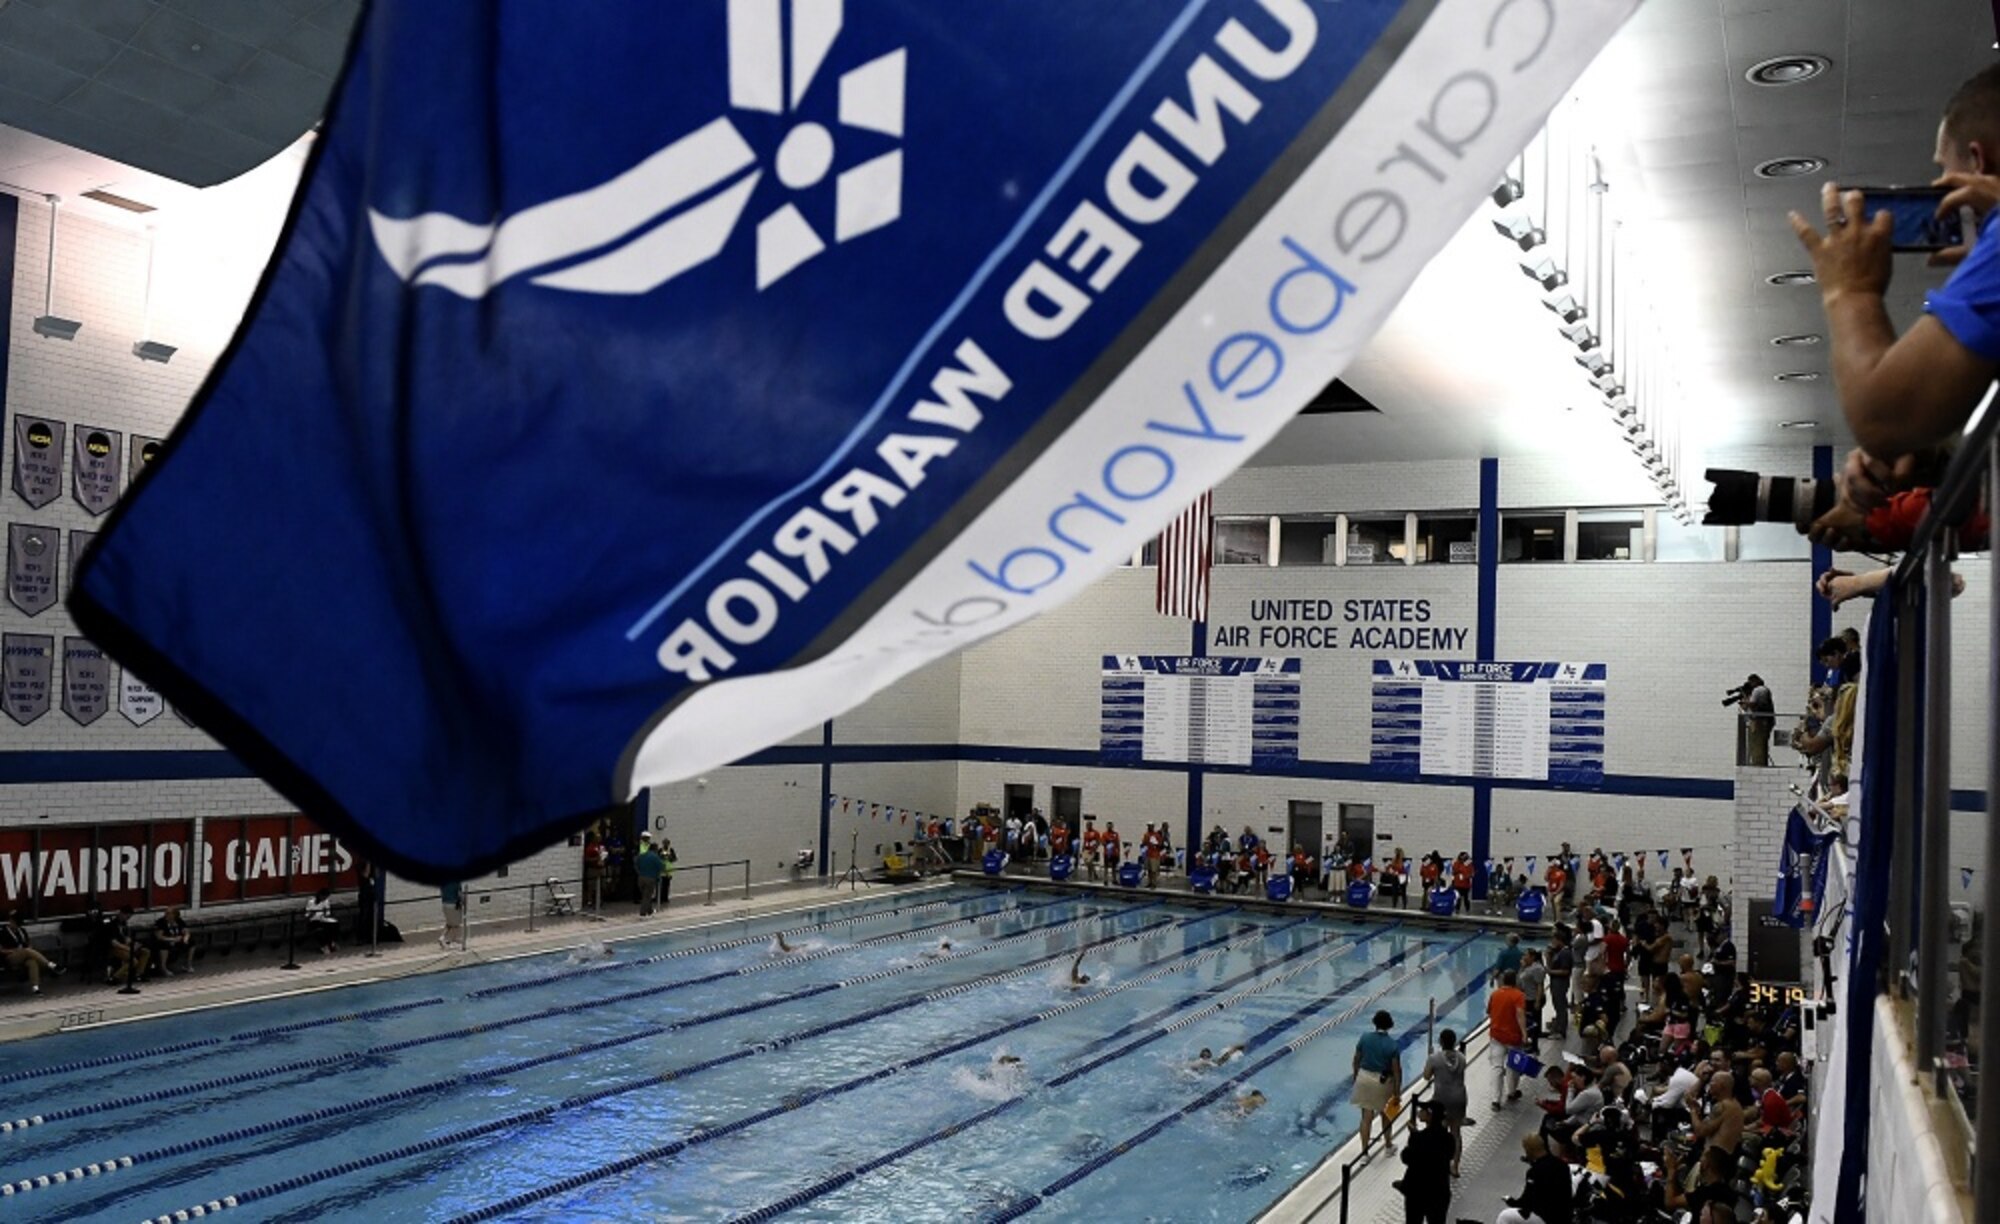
181 1047
695 1138
825 1186
1030 1202
746 940
1223 987
1186 959
331 1060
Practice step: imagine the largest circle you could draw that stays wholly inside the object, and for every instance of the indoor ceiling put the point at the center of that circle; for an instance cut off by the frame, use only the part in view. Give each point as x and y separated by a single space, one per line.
196 91
1470 363
153 99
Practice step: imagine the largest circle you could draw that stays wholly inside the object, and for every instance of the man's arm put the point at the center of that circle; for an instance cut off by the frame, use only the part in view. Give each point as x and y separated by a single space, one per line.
1898 394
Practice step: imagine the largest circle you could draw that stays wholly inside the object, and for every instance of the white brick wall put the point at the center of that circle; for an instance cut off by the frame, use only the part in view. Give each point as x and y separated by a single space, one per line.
1538 822
1763 807
1350 488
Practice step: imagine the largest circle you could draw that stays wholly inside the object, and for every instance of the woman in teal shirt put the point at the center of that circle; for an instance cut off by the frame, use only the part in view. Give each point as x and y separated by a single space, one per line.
1378 1076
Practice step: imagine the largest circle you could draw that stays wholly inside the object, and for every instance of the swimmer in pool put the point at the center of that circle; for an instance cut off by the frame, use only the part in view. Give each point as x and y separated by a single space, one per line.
1077 977
1208 1060
779 947
942 950
1248 1103
1004 1068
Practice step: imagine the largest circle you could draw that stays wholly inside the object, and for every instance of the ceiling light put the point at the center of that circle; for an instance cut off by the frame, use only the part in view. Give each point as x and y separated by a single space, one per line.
1624 409
1566 307
1798 340
1545 272
1608 386
1509 191
115 200
1797 376
1521 231
153 350
1787 70
1596 363
147 349
1582 335
1790 278
1798 424
49 324
1790 167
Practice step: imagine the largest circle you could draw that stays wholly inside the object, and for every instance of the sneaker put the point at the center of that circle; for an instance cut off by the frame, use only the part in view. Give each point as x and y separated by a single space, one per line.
1514 1097
34 990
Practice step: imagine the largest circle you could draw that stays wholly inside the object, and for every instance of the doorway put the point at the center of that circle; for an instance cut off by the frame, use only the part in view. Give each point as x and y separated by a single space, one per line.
1357 825
1303 825
1066 805
1018 802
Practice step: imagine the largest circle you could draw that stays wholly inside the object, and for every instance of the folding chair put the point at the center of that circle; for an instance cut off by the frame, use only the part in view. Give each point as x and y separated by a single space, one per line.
560 903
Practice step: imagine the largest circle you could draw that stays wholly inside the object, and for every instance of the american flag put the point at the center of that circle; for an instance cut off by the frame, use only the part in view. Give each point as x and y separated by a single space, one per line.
1186 549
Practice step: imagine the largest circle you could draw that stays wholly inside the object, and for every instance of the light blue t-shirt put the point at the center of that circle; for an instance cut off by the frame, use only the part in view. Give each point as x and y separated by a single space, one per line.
1378 1052
1969 303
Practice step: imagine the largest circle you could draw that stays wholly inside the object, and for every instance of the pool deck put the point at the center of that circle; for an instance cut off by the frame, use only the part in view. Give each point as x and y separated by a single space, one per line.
68 1005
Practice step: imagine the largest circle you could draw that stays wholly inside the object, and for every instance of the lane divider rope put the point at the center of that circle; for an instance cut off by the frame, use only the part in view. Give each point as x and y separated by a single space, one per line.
697 1137
330 1060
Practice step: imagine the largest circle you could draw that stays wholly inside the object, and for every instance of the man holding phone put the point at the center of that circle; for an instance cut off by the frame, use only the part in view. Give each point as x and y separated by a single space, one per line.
1902 395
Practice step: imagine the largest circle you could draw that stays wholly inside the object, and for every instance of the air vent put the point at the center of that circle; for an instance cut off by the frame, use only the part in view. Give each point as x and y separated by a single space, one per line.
118 201
1790 278
1787 70
1791 167
1797 340
1797 376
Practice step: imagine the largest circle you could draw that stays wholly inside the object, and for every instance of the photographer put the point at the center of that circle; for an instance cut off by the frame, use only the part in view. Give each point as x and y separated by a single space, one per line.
1755 714
1904 394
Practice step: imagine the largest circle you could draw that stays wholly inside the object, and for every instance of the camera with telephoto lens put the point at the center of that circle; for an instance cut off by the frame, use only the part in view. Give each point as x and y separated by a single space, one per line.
1736 696
1741 498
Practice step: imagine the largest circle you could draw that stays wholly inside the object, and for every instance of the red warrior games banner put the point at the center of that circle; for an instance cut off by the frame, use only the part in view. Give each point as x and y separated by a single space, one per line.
54 872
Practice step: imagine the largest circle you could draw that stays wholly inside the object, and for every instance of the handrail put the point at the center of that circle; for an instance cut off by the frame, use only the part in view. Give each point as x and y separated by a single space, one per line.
1956 494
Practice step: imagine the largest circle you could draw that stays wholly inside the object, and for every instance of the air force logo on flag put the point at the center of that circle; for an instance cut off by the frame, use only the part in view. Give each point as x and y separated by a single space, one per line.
676 210
637 385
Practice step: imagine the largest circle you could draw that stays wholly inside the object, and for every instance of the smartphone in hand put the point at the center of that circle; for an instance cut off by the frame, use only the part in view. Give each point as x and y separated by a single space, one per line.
1918 227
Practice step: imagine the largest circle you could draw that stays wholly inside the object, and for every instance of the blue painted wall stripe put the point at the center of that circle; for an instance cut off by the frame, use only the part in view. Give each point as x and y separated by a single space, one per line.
1194 781
825 792
1488 633
10 218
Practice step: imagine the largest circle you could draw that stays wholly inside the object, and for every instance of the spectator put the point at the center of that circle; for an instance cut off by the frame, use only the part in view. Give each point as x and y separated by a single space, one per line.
1378 1077
1755 710
1396 878
1446 1072
593 872
1562 966
1774 1113
670 859
1430 1162
1721 1122
120 948
1713 1199
1461 881
170 935
1509 960
1671 1102
1093 843
368 895
1617 950
1507 1034
18 952
650 866
451 897
1114 849
1534 980
1545 1198
1903 394
320 922
1557 880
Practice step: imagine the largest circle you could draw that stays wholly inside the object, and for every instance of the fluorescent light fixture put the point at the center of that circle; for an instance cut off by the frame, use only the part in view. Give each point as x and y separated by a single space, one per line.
1521 231
49 324
1509 191
144 349
153 350
1624 409
1595 363
1607 385
1582 335
1566 307
1545 272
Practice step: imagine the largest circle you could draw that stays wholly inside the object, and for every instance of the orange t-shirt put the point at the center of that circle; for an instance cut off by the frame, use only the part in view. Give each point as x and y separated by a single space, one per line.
1557 877
1461 875
1503 1012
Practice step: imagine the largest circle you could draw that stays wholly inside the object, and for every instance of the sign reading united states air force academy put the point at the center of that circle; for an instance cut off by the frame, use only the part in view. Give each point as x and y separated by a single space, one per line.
658 385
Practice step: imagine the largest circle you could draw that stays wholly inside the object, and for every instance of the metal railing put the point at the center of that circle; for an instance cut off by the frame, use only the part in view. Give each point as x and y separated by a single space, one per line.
1920 875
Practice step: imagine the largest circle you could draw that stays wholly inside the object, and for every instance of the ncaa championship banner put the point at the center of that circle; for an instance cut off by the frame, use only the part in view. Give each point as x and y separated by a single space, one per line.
639 384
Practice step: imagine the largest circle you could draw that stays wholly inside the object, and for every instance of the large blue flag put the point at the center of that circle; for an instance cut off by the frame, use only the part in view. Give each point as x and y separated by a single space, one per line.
637 384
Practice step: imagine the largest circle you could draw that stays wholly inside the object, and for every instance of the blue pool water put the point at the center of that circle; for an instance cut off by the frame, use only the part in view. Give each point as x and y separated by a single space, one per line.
697 1076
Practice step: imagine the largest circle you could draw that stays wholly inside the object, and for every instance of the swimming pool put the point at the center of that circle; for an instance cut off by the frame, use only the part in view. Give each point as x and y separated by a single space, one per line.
699 1076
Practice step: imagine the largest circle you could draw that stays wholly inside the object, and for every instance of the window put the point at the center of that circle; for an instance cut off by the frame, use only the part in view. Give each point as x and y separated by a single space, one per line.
1242 541
1307 541
1149 554
1447 539
1674 542
1376 541
1531 537
1771 542
1611 535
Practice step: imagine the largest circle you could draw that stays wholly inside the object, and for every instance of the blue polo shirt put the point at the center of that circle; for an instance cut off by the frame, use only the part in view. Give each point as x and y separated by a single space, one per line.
1378 1052
1969 303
